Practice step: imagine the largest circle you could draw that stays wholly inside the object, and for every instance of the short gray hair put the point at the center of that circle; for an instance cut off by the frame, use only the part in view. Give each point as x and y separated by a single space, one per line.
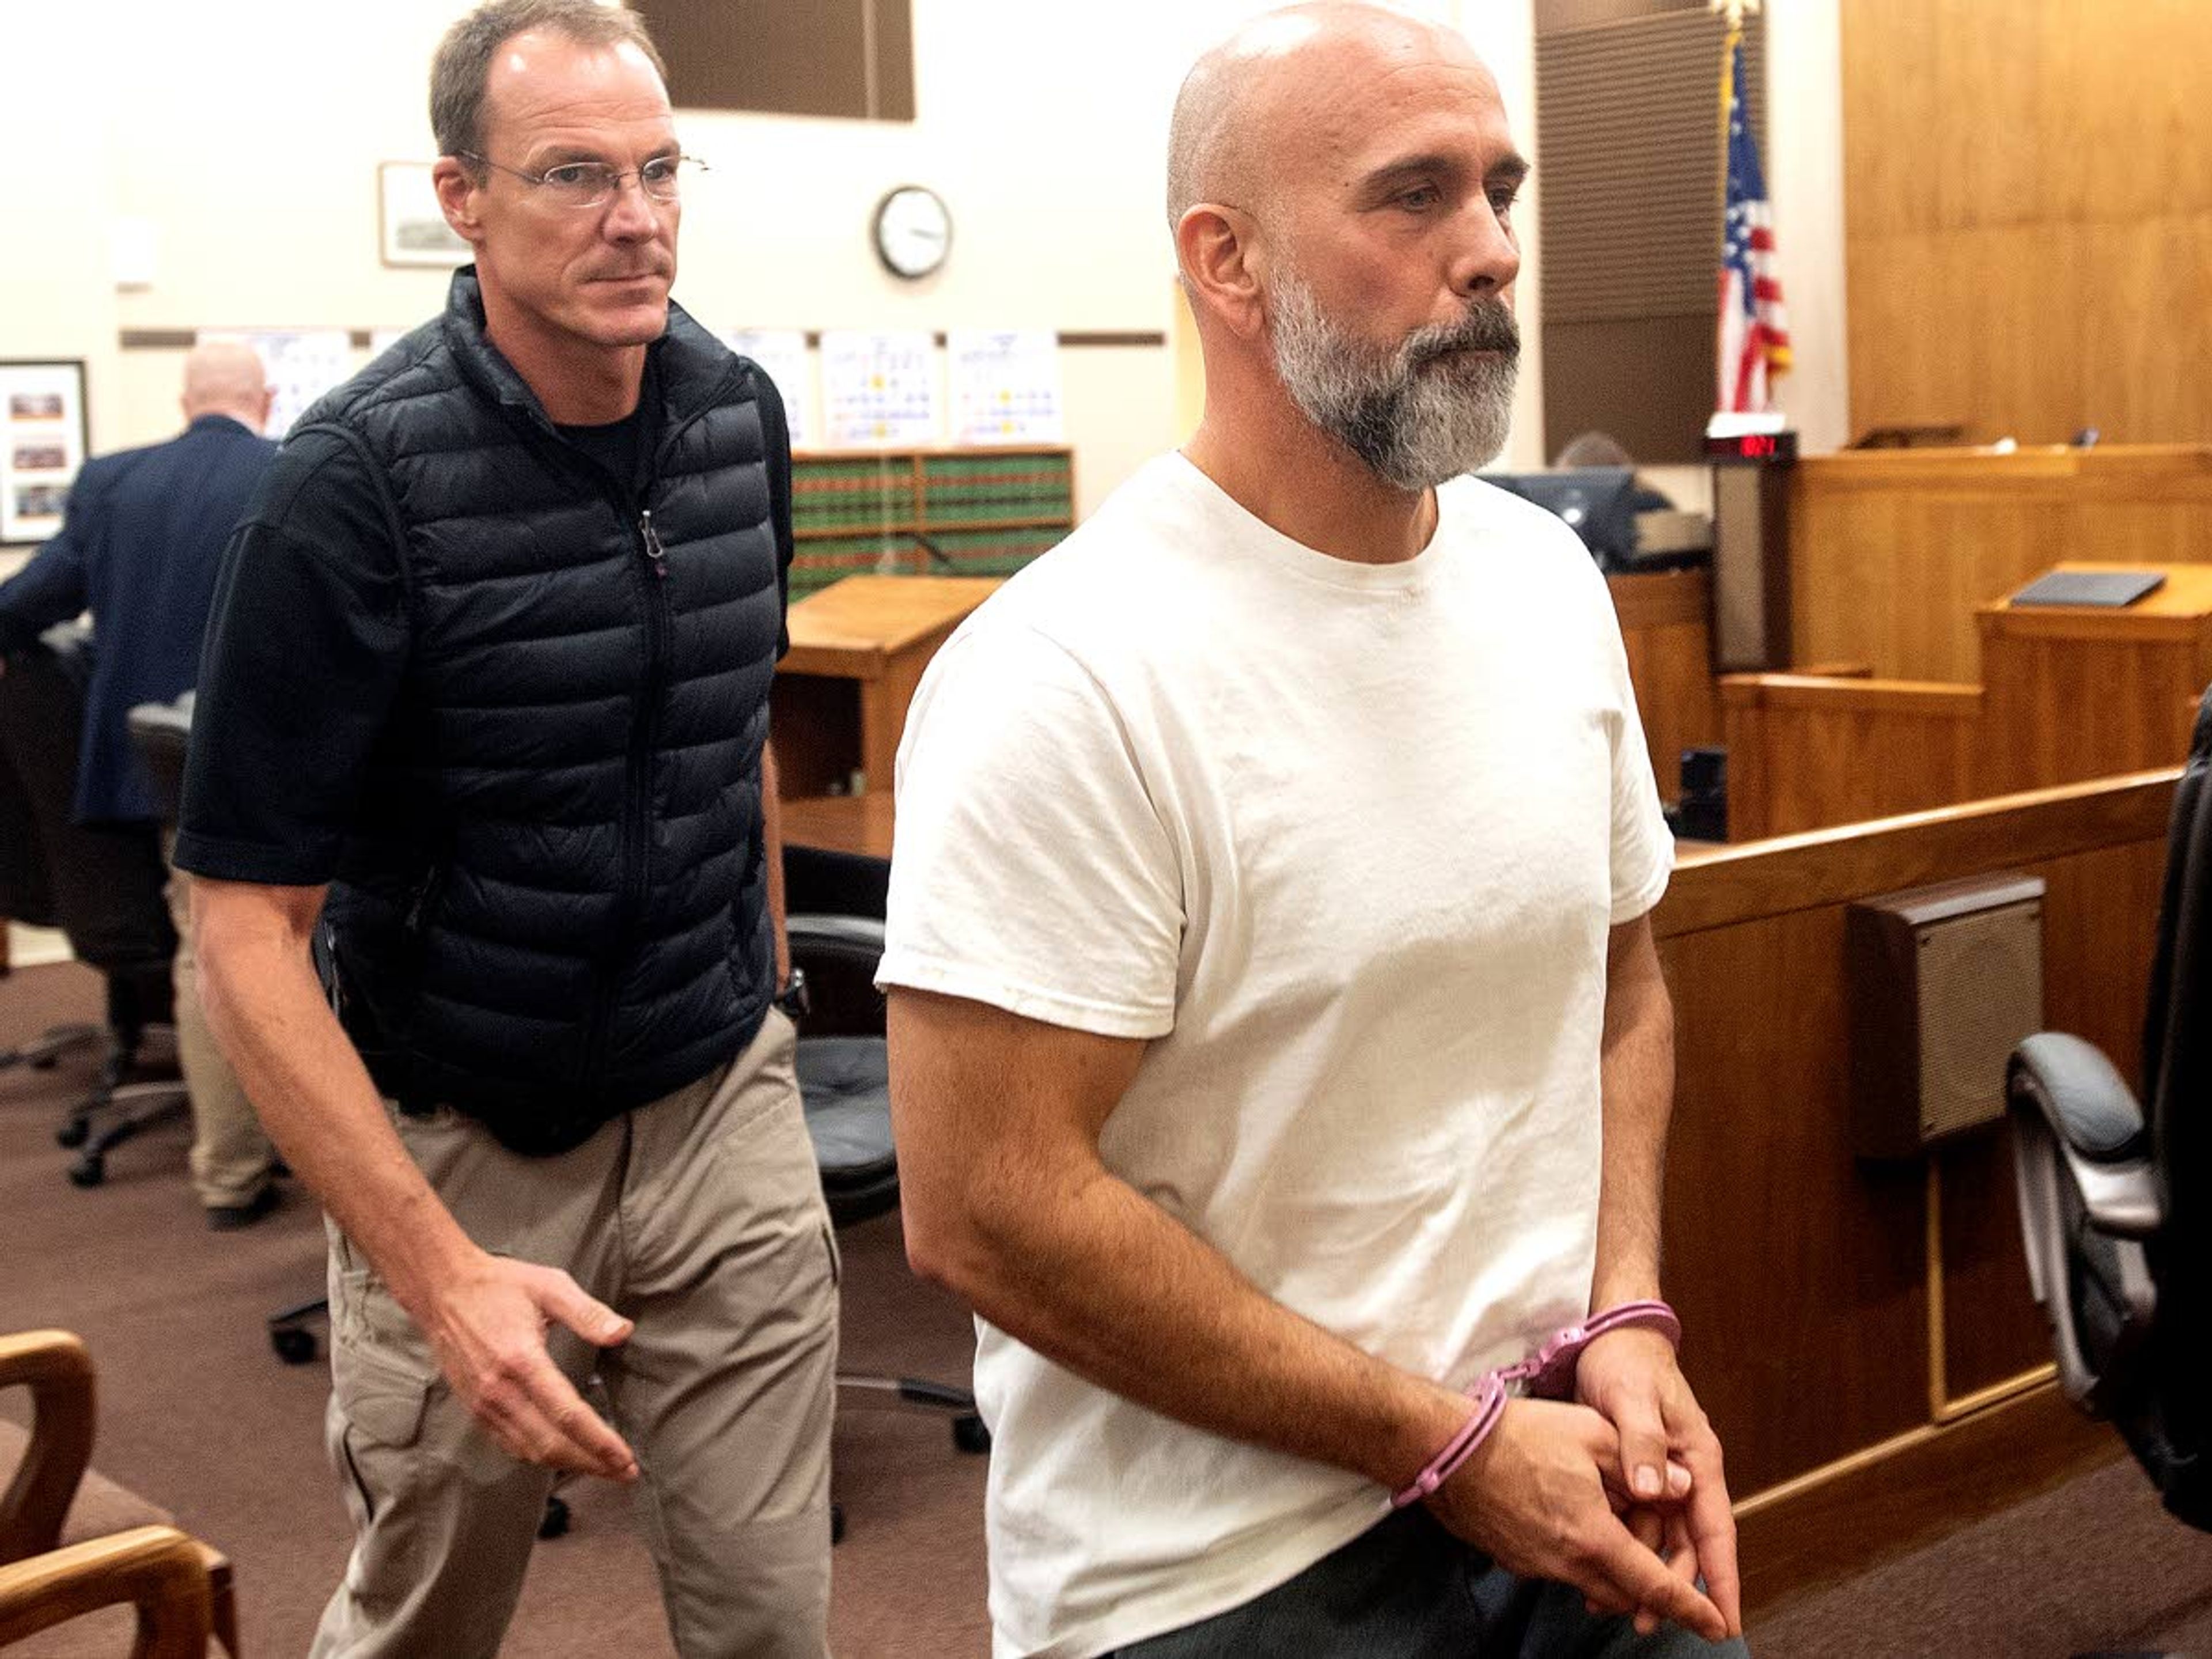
463 63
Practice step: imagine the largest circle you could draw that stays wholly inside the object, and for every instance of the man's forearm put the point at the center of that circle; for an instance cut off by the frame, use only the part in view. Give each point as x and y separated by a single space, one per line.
315 1099
1005 1202
1103 1281
1637 1072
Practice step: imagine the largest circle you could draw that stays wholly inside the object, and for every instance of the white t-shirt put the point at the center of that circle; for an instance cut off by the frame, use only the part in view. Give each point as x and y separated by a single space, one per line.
1344 842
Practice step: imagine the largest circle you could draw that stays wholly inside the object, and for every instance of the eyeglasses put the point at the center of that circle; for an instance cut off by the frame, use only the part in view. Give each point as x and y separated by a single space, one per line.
589 183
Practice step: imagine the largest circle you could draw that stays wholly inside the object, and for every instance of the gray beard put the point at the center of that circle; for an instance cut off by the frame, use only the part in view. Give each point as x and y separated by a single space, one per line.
1414 417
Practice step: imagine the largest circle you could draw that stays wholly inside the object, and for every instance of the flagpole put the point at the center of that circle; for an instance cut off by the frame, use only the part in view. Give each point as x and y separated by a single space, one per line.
1753 341
1733 11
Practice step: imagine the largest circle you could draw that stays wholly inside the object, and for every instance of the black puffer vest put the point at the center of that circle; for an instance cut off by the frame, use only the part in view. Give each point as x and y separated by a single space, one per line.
553 905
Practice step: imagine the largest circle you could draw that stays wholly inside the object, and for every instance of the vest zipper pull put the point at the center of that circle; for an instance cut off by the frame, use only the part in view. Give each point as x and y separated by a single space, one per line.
654 551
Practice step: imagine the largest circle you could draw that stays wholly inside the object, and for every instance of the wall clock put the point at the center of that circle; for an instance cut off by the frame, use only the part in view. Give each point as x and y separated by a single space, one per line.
913 231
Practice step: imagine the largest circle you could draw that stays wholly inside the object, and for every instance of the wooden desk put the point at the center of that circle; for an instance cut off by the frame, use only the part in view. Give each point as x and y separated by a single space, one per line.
1666 627
2087 691
857 648
840 823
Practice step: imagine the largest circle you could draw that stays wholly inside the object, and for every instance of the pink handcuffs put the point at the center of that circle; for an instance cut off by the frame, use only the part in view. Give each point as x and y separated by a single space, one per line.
1548 1373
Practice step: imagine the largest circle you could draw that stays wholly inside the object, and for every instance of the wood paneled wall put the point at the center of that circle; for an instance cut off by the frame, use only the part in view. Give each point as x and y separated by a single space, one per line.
1806 752
2028 216
1840 1315
1891 551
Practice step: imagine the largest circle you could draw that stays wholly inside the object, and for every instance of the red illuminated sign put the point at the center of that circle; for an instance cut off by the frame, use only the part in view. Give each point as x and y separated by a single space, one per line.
1753 446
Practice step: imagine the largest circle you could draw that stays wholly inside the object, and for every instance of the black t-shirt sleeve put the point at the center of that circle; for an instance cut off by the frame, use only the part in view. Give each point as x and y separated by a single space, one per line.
777 432
307 643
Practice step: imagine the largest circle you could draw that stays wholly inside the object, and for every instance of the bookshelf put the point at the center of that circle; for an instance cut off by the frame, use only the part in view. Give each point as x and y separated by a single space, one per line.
989 510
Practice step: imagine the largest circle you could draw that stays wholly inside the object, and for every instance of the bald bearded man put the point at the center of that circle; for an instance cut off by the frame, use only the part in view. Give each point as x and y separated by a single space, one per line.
139 548
1280 1053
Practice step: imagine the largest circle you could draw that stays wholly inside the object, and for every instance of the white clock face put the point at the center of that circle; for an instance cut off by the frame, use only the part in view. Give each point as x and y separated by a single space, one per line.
913 231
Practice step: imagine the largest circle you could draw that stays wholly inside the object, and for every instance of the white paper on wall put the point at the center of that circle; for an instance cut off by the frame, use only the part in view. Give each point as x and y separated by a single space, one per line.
782 352
879 388
1006 386
302 363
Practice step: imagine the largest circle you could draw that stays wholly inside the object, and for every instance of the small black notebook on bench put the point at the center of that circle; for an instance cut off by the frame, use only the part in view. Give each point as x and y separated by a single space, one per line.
2106 588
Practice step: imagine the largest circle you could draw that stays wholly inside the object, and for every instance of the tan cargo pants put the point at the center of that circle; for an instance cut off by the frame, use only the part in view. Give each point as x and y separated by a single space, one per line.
701 1218
232 1159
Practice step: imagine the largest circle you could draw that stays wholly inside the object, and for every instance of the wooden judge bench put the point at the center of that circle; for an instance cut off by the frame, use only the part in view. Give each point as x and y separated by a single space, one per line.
2068 692
1892 551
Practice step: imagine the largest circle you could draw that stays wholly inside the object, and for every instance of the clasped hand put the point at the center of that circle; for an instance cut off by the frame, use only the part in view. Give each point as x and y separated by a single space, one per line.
1620 1494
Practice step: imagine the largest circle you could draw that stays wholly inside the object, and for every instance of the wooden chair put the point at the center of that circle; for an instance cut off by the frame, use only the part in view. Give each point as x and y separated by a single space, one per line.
72 1541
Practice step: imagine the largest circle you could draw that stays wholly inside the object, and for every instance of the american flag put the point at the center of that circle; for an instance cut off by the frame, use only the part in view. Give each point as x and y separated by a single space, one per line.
1754 332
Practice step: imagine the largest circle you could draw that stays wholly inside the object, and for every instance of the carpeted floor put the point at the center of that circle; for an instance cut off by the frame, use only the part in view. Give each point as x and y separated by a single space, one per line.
2091 1567
198 1414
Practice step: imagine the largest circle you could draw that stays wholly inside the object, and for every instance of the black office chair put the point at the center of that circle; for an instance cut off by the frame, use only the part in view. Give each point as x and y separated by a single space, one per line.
844 1080
105 882
2116 1199
26 895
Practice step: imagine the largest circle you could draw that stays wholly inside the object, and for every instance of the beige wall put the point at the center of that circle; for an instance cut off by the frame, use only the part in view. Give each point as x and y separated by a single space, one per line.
246 134
1805 177
56 300
1055 221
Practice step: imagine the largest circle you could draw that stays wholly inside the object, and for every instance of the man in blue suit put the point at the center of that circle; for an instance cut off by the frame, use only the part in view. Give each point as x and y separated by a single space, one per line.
139 548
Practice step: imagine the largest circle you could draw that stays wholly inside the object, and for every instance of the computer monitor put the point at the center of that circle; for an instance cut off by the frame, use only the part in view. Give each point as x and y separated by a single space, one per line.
1598 501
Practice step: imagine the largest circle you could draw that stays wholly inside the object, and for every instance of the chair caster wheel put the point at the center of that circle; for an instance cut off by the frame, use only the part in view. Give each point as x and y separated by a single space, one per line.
89 1171
836 1524
969 1435
293 1345
554 1522
73 1134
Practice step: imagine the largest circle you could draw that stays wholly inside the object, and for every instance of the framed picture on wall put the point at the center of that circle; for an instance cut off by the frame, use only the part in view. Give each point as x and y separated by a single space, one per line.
410 229
42 444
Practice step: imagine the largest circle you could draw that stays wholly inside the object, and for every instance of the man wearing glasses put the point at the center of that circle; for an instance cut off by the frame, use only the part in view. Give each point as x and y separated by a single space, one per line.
481 736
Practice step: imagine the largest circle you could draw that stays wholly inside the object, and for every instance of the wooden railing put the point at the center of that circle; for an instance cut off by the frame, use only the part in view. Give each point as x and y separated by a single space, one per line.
1806 752
1862 1334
